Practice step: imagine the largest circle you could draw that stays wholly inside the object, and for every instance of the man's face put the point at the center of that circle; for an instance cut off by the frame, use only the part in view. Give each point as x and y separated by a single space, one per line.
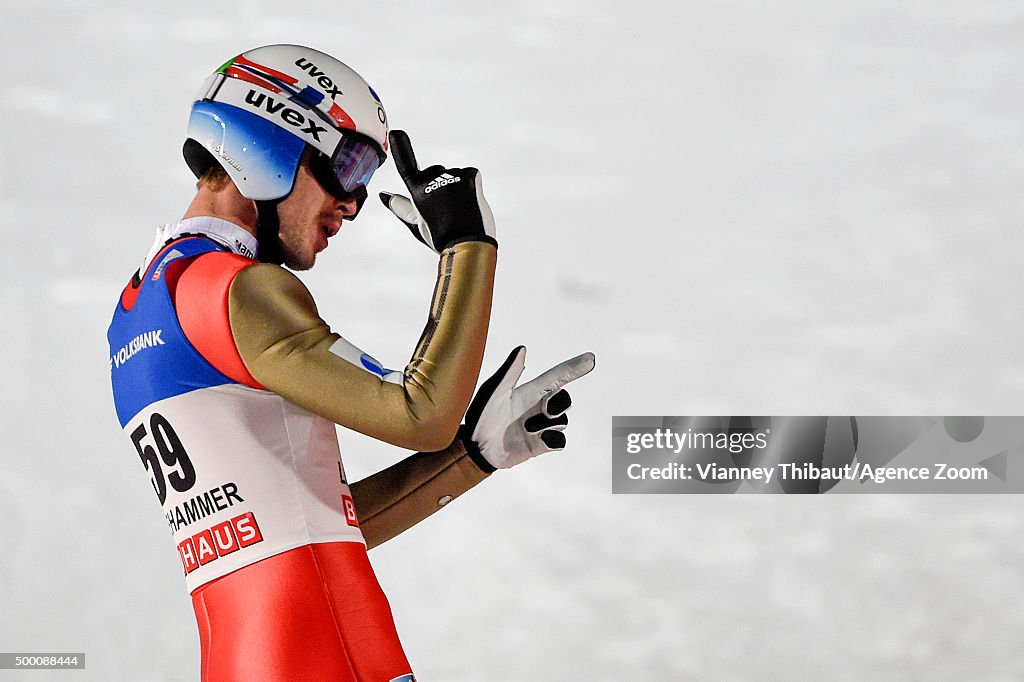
309 216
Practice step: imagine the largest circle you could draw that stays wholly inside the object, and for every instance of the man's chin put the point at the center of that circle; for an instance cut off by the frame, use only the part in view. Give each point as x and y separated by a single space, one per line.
299 264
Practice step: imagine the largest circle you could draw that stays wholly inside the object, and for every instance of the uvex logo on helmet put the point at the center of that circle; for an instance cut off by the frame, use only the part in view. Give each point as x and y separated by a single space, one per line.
322 79
287 114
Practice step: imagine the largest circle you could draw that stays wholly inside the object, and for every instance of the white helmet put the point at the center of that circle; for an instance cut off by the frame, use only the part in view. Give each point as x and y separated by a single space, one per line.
258 112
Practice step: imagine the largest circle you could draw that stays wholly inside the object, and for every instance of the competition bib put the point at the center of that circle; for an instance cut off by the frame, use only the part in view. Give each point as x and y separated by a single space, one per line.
241 473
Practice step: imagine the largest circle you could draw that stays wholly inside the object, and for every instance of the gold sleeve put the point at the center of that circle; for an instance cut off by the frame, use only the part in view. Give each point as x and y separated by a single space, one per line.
286 347
397 498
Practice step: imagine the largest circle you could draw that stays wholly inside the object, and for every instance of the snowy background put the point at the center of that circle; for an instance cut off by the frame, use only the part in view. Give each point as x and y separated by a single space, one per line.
795 207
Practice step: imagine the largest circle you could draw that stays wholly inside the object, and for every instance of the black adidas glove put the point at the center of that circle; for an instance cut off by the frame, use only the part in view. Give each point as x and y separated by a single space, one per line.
448 204
508 424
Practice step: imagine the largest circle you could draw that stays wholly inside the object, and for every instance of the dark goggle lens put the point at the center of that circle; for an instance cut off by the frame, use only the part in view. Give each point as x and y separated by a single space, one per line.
354 163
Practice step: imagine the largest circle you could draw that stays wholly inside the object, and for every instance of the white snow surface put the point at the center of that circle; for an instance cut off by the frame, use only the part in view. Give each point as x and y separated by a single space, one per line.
794 207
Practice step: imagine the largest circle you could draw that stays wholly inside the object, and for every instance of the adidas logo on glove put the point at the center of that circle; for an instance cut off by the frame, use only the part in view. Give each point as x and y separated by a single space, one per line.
440 181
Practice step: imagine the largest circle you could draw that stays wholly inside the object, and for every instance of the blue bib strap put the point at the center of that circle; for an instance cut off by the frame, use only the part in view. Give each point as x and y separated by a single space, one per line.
151 359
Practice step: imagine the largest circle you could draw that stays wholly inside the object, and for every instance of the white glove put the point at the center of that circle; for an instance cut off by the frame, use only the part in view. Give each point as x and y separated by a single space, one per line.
508 424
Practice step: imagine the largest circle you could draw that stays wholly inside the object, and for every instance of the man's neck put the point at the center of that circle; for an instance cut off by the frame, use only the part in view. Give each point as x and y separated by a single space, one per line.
226 204
229 235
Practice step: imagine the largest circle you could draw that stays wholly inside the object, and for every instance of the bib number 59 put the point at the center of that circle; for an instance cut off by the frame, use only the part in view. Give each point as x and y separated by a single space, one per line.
169 451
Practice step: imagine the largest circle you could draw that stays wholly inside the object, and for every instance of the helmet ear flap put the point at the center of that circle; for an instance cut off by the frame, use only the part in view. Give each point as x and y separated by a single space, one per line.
198 157
270 247
271 250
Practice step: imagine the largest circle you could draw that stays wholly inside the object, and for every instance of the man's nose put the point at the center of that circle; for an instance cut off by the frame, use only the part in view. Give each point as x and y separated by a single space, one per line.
348 207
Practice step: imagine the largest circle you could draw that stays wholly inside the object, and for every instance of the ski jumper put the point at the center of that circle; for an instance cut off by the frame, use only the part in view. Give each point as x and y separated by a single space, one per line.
229 386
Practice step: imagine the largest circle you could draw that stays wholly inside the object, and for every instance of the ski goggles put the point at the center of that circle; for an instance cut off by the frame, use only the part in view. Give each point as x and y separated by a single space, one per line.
349 169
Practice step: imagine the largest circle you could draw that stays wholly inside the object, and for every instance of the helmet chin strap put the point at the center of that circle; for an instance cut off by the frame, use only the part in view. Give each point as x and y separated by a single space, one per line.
268 232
